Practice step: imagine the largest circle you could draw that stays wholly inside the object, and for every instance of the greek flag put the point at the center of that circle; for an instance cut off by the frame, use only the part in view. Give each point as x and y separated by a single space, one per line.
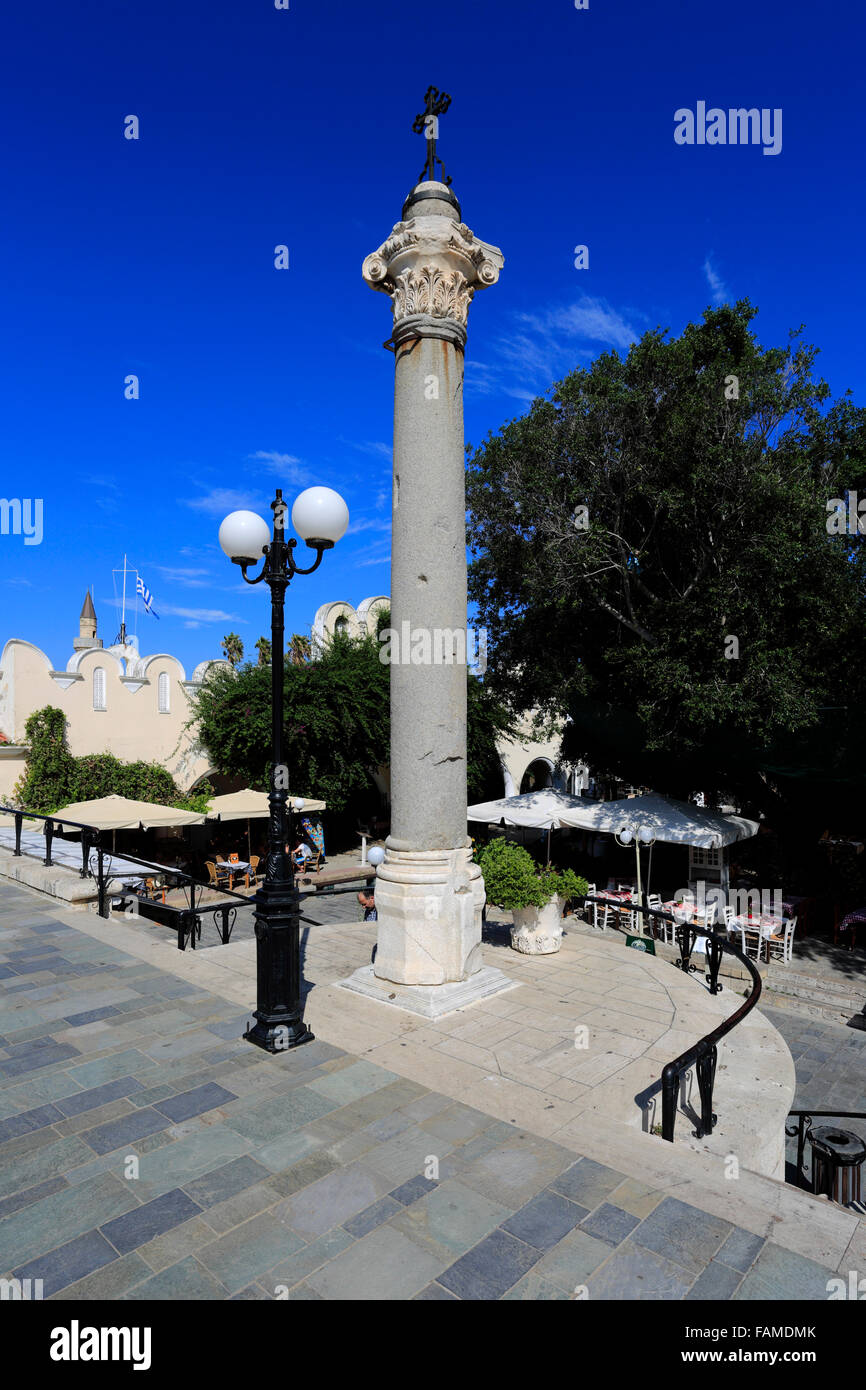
147 597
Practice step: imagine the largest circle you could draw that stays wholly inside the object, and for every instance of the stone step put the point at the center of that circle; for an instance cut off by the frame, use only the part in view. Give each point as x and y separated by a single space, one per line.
805 1008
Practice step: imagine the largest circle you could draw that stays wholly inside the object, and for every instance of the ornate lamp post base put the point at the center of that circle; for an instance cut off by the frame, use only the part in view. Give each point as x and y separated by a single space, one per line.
279 1017
271 1036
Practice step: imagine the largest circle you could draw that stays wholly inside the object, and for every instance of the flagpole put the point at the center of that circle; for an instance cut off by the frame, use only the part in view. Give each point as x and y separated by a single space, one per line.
123 608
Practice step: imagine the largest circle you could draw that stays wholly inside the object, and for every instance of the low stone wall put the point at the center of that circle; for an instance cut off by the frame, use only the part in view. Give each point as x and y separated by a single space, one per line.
56 880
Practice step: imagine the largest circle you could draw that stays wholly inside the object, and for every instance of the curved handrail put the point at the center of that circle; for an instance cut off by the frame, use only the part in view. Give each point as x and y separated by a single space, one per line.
701 1055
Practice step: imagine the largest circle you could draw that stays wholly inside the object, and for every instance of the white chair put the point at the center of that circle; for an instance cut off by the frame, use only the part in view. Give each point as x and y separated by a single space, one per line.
591 891
730 914
781 947
652 924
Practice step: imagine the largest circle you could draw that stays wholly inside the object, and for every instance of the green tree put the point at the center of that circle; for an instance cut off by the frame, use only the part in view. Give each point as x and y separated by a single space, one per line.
263 647
653 508
233 648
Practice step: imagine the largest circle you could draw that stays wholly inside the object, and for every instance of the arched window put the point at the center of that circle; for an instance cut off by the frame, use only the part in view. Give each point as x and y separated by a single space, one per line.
99 687
341 624
162 687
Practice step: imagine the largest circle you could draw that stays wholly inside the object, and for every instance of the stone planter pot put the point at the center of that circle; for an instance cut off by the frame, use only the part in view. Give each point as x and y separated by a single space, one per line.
537 931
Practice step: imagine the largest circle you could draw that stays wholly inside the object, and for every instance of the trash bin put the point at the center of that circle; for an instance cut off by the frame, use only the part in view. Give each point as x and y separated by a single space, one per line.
837 1157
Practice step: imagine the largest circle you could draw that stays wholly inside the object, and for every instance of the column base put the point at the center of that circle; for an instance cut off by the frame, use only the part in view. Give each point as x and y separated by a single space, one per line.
429 908
430 1001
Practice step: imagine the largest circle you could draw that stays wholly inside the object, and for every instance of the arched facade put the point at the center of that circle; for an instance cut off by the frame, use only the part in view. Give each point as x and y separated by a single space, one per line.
136 709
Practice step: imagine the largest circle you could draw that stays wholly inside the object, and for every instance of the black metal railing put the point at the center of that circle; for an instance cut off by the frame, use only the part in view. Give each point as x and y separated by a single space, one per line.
703 1055
97 863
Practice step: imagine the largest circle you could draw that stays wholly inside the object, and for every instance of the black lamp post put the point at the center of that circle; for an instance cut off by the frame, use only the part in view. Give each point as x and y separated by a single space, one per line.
320 517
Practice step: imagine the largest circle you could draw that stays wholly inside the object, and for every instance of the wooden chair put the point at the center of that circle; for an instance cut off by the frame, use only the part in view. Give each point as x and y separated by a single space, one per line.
217 878
253 875
153 889
781 946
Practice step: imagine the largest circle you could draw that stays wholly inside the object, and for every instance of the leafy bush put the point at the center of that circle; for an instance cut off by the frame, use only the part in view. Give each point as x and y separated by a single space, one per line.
54 778
513 880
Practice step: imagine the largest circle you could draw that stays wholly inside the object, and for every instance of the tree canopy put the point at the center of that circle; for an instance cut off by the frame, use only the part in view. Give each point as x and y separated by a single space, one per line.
652 560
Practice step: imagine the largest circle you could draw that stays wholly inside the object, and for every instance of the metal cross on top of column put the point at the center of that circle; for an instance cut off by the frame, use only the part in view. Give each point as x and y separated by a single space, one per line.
427 123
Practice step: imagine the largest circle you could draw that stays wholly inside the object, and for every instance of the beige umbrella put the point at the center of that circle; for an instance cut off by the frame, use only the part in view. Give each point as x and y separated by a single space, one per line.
251 805
119 813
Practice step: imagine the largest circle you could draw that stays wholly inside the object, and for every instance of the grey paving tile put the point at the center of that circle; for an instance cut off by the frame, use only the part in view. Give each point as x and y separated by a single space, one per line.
353 1082
450 1219
187 1280
545 1220
108 1283
29 1195
610 1224
411 1191
50 1054
633 1272
226 1181
142 1224
587 1182
782 1274
195 1102
293 1270
28 1120
382 1266
741 1249
268 1119
103 1138
90 1016
682 1233
239 1257
717 1283
69 1263
32 1168
60 1216
332 1200
569 1264
434 1293
372 1216
489 1269
532 1288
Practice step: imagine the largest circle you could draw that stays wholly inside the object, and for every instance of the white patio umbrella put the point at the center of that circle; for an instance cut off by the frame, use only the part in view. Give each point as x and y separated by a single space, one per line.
645 819
546 809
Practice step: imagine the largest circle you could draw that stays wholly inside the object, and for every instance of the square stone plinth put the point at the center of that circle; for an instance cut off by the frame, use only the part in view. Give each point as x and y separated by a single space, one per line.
430 1001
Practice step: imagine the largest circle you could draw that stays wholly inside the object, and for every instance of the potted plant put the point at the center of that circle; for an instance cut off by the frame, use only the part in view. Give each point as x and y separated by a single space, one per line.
536 897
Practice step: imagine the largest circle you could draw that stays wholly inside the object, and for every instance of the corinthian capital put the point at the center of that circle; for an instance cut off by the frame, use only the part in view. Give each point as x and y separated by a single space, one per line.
430 266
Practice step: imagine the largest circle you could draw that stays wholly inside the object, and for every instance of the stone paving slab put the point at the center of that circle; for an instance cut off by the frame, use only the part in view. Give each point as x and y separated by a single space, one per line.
317 1174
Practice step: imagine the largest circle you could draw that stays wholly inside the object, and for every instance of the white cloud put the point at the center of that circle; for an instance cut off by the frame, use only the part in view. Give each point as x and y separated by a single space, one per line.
543 347
198 615
368 524
222 500
189 578
715 282
289 466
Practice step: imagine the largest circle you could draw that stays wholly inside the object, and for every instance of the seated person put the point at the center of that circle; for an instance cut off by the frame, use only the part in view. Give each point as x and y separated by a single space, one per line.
367 899
300 854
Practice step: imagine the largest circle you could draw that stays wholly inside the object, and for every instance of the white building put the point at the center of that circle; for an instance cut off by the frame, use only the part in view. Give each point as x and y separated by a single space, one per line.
115 701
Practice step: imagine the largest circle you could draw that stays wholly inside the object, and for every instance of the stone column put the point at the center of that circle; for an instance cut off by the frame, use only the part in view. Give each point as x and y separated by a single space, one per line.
429 895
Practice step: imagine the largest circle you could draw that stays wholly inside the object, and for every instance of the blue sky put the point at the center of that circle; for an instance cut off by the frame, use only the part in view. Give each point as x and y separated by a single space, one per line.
260 127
